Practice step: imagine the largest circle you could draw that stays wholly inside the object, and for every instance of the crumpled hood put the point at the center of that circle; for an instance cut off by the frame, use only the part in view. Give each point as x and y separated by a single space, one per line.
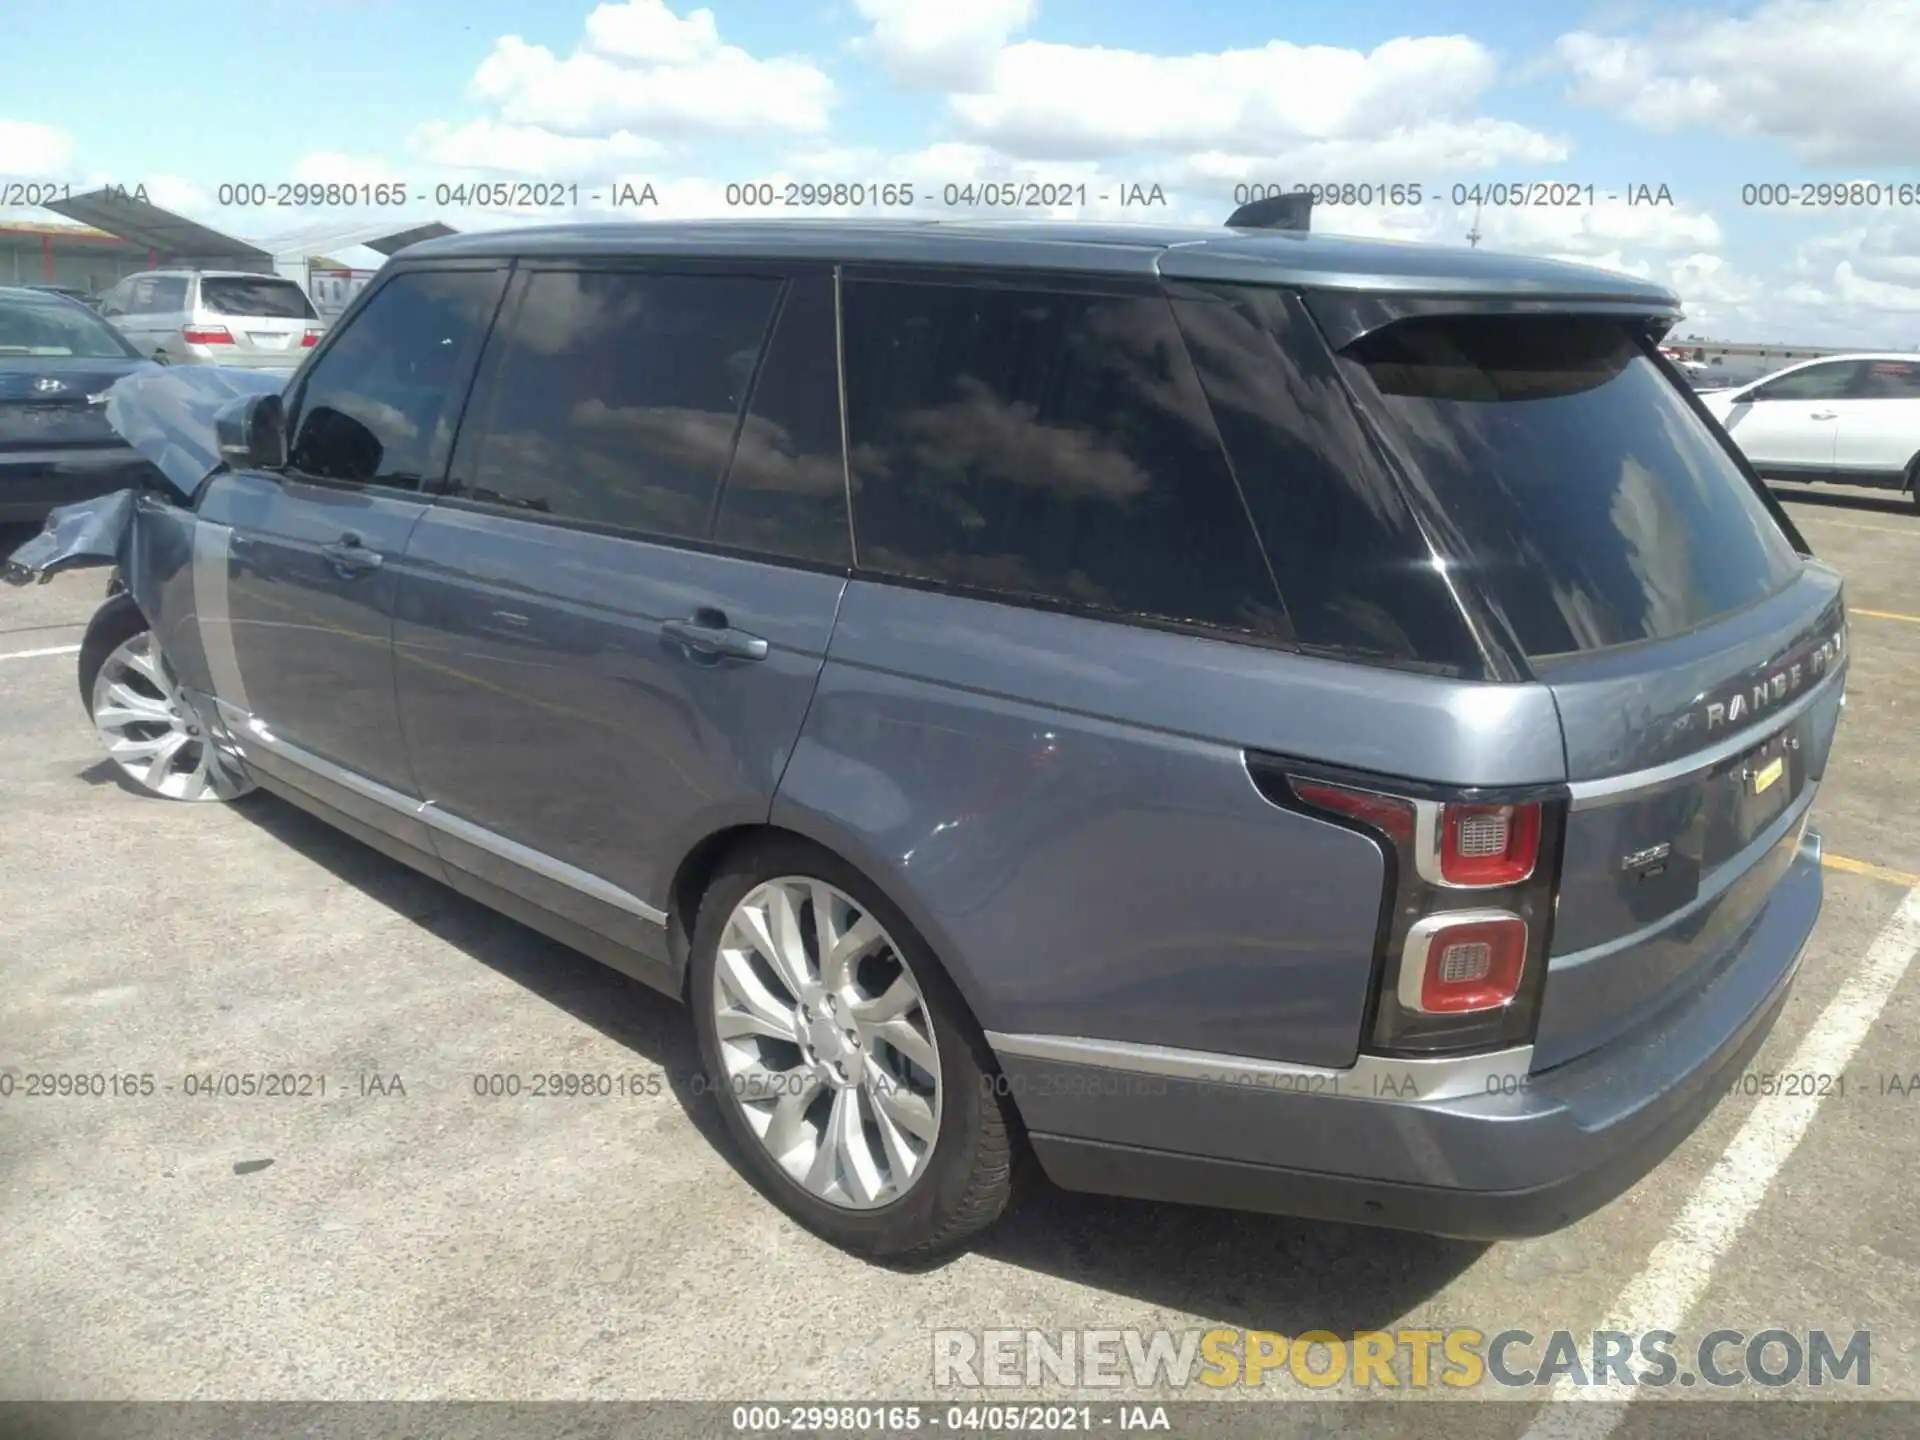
166 414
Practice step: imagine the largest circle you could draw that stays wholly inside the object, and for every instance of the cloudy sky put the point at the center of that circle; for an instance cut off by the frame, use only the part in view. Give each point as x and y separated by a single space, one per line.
1707 100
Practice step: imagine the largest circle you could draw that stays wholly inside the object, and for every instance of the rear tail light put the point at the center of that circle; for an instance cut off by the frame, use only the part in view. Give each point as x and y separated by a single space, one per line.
1462 963
206 335
1471 881
311 338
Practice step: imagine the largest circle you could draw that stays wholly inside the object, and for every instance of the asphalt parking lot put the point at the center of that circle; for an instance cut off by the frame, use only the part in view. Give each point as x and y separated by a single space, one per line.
402 1237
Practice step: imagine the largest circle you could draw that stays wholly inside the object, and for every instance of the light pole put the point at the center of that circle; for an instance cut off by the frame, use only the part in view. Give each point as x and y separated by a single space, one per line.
1473 235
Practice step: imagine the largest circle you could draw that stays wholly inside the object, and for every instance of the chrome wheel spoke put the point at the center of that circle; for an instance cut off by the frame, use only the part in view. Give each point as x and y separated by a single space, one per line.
759 1011
836 963
787 1127
849 992
161 765
903 1037
897 999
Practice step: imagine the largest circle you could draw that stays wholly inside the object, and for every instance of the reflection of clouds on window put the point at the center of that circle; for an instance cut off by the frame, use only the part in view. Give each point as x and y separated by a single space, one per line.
769 459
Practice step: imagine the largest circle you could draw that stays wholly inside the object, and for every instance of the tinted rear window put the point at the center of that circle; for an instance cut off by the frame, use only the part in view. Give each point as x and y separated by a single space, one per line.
262 299
1591 504
1046 446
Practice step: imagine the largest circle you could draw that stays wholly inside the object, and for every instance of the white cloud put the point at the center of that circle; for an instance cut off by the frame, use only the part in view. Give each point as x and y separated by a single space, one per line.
332 167
643 69
178 194
942 44
1046 101
1836 81
29 150
490 145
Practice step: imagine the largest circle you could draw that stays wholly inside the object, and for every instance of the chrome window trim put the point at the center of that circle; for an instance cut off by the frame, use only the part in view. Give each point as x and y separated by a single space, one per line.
431 815
1413 950
1370 1077
1590 794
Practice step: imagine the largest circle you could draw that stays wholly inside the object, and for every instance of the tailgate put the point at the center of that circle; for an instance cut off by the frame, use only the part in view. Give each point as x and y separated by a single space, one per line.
1693 764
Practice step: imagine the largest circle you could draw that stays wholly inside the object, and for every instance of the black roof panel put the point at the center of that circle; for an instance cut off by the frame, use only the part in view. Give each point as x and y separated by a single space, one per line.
1276 257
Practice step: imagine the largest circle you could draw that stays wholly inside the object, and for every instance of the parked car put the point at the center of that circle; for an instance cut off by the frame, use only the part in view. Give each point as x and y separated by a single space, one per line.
215 317
71 292
57 358
1303 724
1843 419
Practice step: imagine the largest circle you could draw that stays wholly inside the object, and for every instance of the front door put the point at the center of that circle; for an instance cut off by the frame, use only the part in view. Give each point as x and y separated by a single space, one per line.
1787 426
302 563
608 632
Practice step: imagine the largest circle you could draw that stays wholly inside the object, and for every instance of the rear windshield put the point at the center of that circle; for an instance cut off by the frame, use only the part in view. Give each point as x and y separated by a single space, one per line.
261 299
57 329
1595 508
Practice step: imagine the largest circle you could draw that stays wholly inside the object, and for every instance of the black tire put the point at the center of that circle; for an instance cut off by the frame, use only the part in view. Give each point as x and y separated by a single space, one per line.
1913 482
113 624
969 1177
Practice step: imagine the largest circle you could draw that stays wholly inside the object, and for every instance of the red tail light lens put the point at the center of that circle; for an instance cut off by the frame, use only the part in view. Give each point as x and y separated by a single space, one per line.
1462 962
1483 845
206 335
311 338
1386 812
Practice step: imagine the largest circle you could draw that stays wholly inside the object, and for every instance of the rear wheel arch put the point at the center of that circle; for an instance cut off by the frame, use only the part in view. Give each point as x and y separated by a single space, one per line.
710 857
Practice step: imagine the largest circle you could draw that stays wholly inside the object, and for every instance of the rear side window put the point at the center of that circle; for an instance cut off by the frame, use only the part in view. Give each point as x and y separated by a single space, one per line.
1591 504
1046 446
1889 380
617 396
786 491
1354 570
379 406
169 295
1817 382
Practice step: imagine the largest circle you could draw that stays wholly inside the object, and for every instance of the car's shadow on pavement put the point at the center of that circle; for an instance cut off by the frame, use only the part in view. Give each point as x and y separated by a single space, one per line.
1882 501
1252 1271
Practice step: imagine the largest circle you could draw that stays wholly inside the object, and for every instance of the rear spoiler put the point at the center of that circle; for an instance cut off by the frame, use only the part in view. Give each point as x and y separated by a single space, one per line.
1276 212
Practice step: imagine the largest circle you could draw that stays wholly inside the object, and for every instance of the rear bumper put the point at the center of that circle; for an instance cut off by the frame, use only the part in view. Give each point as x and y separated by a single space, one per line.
37 481
1531 1154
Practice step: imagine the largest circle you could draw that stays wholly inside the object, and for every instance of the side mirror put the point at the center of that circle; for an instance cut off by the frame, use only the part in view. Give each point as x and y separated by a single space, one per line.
252 433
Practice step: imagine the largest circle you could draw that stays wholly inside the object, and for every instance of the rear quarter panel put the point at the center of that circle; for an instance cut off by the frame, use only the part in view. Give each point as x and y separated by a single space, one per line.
1062 807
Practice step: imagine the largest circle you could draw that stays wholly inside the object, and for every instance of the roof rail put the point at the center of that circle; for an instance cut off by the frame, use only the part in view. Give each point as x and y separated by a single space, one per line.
1276 212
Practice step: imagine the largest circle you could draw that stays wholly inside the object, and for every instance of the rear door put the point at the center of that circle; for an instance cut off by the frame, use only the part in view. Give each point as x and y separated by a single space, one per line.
1878 432
301 564
267 316
610 626
1696 659
1788 425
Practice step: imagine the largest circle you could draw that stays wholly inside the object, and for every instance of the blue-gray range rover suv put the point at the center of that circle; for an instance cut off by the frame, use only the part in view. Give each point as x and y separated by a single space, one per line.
1238 717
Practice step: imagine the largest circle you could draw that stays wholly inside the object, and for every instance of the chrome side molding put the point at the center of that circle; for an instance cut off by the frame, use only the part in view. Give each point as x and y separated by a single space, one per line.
1371 1077
249 729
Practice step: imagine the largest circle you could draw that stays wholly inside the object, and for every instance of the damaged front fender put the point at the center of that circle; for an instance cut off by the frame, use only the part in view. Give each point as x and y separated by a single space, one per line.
169 415
93 532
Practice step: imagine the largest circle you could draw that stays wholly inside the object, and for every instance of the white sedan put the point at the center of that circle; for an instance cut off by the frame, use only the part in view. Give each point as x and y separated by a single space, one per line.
1847 419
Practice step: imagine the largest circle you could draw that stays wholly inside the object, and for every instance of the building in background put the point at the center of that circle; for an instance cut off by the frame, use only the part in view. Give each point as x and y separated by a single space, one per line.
112 233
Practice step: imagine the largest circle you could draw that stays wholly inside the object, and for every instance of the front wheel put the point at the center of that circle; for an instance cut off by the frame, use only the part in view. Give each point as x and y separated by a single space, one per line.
1913 482
148 728
849 1073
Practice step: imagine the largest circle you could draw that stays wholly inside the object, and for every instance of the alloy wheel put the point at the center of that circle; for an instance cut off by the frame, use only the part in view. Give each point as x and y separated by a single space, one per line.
827 1042
151 732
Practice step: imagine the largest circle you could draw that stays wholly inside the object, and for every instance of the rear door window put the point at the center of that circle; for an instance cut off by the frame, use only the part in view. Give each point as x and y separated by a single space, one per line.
1591 504
617 395
786 492
255 298
1044 445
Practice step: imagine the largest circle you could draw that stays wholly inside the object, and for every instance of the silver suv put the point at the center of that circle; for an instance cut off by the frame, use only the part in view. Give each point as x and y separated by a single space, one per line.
1266 720
215 317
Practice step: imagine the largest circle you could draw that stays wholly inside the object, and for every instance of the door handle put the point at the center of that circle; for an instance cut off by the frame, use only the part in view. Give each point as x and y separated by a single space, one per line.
708 633
1824 415
349 557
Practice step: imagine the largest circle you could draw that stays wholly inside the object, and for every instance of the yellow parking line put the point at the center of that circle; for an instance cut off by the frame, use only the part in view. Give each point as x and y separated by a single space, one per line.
1869 869
1883 615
